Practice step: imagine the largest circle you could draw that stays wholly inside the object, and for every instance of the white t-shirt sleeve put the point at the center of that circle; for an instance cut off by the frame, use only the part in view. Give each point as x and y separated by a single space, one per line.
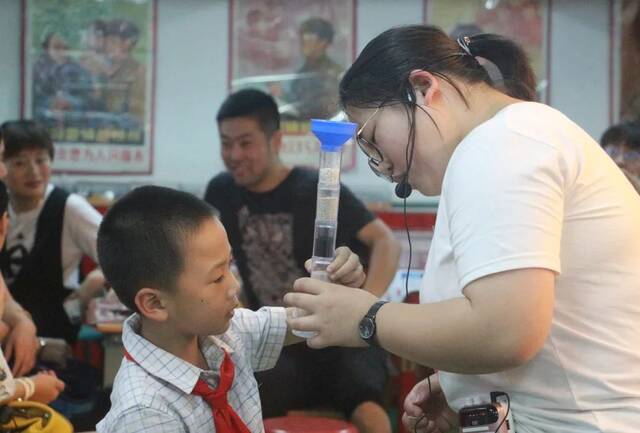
505 204
80 231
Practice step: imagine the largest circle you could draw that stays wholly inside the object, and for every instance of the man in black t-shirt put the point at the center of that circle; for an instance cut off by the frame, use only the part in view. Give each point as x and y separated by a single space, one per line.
268 210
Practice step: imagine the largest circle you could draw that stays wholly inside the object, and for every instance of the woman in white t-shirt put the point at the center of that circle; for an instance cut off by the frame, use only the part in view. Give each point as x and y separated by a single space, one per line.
532 285
50 231
43 387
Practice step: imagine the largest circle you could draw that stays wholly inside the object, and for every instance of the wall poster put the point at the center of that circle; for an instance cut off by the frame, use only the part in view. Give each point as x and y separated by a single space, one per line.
296 50
524 21
88 75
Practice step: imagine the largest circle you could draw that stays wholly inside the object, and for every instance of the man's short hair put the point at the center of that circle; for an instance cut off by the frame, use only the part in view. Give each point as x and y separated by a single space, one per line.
142 239
19 135
627 133
252 103
319 27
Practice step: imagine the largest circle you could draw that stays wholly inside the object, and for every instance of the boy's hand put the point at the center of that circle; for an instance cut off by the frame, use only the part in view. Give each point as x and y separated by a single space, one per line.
48 387
345 268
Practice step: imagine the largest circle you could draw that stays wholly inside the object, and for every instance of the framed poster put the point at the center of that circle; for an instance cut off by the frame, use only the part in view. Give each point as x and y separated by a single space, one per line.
88 75
627 27
296 50
525 21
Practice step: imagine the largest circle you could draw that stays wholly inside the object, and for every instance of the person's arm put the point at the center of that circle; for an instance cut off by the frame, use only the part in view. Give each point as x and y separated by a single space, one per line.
92 287
43 387
82 222
383 259
22 342
501 322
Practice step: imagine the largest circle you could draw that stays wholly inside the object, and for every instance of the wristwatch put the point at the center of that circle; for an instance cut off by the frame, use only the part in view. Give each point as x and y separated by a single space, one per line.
367 327
42 342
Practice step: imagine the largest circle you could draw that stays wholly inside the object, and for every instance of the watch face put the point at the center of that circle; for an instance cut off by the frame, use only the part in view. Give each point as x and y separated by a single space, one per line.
367 328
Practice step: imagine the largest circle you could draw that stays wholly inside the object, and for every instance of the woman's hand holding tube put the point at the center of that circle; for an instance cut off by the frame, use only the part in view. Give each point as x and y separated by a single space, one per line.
334 312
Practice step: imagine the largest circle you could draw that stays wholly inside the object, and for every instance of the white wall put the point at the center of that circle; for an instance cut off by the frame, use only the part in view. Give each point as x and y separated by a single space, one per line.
191 79
580 84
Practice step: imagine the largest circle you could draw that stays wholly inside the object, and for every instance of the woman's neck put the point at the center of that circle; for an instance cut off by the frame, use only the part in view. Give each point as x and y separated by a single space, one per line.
484 102
25 204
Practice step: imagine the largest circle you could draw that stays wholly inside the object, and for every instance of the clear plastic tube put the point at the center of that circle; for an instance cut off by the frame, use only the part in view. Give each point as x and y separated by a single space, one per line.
326 224
332 136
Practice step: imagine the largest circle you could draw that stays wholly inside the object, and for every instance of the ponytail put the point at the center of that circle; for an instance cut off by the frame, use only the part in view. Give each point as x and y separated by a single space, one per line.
518 78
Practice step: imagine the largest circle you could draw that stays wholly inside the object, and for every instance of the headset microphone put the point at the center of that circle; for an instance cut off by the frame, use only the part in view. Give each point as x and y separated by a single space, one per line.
403 188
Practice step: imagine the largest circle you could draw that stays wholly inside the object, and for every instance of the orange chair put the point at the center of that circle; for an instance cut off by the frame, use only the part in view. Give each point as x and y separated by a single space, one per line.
307 424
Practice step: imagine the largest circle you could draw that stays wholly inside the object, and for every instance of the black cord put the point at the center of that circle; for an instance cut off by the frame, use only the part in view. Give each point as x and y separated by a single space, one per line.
506 415
408 155
406 227
424 415
415 426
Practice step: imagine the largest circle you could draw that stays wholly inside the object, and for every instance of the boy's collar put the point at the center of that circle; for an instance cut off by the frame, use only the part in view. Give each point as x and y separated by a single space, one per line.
166 366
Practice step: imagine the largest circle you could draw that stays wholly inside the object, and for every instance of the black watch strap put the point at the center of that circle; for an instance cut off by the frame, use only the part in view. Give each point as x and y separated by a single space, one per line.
368 328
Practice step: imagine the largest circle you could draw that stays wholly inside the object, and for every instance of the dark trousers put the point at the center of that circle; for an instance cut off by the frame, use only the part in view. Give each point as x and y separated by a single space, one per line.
336 378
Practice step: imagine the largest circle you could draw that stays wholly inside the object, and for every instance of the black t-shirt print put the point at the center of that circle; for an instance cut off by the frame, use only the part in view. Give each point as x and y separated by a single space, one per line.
271 233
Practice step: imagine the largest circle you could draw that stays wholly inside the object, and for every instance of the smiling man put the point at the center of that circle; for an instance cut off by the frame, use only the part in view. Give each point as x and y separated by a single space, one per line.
268 210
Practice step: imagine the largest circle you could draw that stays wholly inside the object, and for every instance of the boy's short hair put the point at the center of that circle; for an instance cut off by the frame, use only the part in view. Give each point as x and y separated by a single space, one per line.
142 238
4 198
19 135
319 27
627 133
252 103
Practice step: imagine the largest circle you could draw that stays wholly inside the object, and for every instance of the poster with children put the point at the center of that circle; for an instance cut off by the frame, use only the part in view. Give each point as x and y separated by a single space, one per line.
524 21
88 77
296 50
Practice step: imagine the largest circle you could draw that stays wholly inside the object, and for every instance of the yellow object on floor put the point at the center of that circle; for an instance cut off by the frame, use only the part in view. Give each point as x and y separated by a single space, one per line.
32 417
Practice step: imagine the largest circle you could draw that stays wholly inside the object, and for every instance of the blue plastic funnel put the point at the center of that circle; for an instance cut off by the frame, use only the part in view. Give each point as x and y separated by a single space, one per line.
332 134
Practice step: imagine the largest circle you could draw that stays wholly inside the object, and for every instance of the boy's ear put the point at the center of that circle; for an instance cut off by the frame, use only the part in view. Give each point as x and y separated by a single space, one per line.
152 304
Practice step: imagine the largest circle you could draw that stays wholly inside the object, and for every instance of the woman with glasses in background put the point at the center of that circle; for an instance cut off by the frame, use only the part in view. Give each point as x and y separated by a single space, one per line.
532 280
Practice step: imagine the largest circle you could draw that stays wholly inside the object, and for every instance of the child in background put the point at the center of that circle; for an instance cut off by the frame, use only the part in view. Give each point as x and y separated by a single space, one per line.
190 354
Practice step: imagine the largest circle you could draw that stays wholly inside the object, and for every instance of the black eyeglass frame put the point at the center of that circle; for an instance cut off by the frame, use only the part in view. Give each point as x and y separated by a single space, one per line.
370 149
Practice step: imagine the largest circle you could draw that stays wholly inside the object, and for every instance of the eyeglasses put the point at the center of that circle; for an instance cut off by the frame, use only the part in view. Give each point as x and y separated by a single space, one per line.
370 150
617 152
